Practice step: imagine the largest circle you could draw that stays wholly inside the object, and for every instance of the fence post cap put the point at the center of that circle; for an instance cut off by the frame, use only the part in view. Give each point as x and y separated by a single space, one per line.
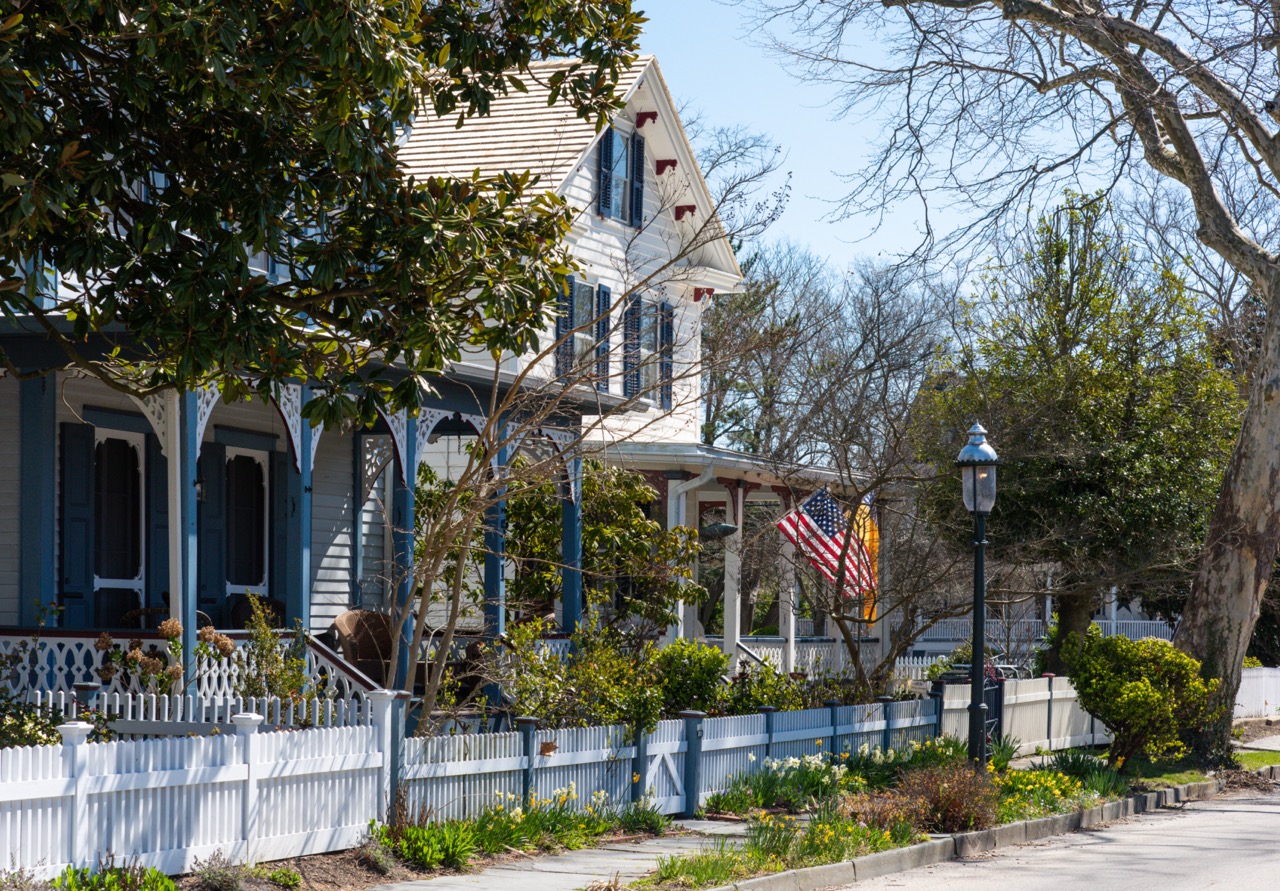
691 714
831 703
247 722
527 721
1049 674
381 695
884 699
75 732
766 709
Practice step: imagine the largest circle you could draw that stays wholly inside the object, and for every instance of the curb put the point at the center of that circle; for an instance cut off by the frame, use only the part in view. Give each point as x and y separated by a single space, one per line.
966 844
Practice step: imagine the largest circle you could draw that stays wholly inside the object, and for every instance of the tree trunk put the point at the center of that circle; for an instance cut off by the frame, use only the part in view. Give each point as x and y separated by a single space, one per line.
1075 611
1240 549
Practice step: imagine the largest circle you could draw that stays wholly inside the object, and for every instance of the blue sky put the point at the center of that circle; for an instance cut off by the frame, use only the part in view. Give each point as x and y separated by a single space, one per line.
709 62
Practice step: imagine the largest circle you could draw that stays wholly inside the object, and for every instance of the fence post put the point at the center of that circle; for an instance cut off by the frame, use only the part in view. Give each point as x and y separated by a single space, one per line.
886 737
640 765
383 704
528 728
75 758
1048 724
832 705
935 693
768 711
247 730
692 761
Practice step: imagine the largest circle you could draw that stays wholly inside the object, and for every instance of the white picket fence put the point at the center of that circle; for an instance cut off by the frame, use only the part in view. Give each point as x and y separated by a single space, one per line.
135 715
255 796
1259 693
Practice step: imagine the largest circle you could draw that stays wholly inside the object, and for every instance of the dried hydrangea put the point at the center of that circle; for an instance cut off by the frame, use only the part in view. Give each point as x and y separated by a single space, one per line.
134 656
107 672
206 634
170 629
225 646
151 665
104 643
135 644
174 673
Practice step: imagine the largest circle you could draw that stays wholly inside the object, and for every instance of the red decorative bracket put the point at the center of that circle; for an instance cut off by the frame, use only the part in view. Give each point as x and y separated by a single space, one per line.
666 164
682 209
644 117
700 293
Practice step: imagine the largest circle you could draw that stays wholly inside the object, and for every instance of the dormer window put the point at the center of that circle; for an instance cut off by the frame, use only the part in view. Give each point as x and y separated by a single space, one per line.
621 179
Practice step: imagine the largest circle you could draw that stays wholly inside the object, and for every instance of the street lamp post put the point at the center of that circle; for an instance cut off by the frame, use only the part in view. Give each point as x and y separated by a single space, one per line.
977 463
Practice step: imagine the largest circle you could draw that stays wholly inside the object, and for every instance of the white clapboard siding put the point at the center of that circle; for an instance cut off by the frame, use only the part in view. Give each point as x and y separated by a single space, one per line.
332 519
10 473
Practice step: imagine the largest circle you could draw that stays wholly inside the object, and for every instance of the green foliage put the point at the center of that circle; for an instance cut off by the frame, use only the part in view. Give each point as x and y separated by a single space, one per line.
631 566
954 798
284 877
1252 662
643 817
759 685
1094 774
1003 750
108 877
1028 794
376 856
690 674
881 769
1146 692
275 128
428 846
791 783
607 679
218 873
1096 376
271 665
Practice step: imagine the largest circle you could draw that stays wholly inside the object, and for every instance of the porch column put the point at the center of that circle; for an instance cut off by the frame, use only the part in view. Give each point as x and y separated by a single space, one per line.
787 603
403 521
184 429
571 549
692 613
733 572
680 490
297 599
495 559
37 486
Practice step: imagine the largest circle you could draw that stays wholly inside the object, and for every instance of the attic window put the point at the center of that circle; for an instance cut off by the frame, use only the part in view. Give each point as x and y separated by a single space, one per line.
621 177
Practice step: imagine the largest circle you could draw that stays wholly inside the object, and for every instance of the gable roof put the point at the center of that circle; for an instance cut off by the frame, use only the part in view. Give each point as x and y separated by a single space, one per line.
521 132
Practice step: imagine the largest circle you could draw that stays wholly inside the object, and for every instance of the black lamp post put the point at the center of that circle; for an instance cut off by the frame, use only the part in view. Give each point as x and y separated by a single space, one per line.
977 462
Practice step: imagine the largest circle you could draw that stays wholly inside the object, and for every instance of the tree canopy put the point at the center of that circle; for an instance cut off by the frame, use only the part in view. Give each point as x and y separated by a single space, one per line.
1095 374
157 161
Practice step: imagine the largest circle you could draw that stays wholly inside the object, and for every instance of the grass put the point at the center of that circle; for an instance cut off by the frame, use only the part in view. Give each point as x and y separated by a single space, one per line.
1160 774
1254 760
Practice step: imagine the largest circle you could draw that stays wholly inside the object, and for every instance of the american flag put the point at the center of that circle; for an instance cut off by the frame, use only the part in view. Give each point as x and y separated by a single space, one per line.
819 527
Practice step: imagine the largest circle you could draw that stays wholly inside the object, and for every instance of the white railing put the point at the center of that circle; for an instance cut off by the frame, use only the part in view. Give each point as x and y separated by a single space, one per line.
56 661
134 715
165 802
1003 633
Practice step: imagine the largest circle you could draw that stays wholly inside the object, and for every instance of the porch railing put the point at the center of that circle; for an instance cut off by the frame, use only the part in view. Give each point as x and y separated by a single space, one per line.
1023 630
55 661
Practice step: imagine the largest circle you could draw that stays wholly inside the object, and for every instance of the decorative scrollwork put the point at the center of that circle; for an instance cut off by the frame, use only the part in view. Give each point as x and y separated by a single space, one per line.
206 399
375 456
155 409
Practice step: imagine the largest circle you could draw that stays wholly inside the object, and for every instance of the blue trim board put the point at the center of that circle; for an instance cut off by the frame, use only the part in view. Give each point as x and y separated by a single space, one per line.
114 419
249 439
571 550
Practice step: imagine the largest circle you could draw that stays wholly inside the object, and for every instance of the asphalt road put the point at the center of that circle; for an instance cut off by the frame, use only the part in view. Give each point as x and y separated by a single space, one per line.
1227 843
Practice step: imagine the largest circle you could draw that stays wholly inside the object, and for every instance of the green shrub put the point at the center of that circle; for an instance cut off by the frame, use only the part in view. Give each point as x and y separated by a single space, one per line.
430 846
376 856
690 673
284 877
109 877
759 685
953 799
1096 775
1252 662
218 873
607 680
1003 750
1143 691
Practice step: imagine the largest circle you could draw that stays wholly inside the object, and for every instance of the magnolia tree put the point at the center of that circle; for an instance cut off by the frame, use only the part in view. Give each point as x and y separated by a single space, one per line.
991 102
158 162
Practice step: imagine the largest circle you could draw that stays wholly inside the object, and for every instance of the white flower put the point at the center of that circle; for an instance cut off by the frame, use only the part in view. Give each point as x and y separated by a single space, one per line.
751 756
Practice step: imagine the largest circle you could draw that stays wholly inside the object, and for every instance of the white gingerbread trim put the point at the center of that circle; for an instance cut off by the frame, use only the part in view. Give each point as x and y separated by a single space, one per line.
398 424
206 399
288 402
376 452
316 432
153 408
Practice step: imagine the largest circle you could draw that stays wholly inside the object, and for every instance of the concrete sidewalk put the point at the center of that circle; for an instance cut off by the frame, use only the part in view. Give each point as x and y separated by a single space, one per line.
1262 744
574 870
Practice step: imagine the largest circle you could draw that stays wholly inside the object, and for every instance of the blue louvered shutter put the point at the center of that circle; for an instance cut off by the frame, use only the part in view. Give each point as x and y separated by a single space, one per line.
666 346
631 349
157 501
604 300
211 513
564 325
76 526
605 199
637 180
